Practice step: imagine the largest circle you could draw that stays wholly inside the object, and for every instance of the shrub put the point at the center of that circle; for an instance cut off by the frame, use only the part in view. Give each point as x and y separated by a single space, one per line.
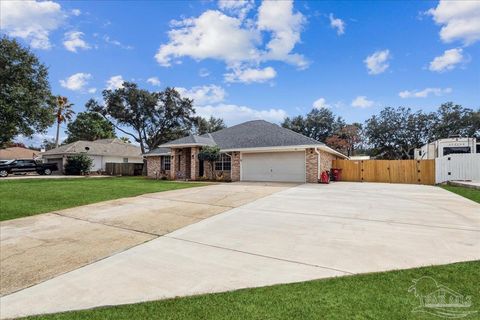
209 154
78 164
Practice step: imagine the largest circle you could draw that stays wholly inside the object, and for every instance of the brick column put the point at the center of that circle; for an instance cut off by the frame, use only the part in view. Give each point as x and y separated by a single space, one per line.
311 165
194 166
173 163
235 171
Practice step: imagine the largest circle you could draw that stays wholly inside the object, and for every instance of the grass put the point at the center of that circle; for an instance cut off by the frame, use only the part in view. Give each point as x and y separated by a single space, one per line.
469 193
26 197
370 296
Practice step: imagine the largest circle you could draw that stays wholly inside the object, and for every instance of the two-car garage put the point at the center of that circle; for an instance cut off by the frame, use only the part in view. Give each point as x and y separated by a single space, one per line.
273 166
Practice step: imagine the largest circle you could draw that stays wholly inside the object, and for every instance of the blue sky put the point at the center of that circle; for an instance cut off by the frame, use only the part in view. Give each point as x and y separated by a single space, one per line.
243 60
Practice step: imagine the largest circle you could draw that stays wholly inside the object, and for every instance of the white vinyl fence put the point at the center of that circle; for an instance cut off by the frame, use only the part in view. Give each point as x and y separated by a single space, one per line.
457 167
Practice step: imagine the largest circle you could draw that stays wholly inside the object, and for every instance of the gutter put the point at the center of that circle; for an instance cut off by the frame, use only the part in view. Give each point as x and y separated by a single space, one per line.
318 163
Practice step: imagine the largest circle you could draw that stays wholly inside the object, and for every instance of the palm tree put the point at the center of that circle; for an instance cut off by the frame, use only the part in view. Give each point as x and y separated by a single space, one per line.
64 113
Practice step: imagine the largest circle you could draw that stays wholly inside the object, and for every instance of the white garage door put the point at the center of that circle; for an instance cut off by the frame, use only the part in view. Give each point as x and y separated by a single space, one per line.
274 166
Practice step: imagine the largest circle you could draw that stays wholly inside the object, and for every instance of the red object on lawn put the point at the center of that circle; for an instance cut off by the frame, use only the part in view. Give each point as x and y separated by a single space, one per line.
325 177
337 174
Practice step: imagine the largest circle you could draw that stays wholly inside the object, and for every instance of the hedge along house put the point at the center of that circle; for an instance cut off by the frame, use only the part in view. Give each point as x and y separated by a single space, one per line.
251 151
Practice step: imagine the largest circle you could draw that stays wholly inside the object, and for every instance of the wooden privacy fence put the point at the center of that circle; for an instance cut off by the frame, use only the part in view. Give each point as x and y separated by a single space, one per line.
389 171
123 169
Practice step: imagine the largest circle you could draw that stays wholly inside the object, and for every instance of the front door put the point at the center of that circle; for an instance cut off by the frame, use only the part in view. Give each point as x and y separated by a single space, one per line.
200 169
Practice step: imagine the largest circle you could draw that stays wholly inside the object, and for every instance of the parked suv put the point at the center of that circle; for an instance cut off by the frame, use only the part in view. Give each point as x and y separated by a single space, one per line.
25 166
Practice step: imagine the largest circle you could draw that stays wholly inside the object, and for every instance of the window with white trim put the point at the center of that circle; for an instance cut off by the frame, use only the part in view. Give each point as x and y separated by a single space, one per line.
224 163
166 163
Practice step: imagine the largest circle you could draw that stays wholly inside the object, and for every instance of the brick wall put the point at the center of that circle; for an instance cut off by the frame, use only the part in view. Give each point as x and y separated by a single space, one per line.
326 160
311 165
153 166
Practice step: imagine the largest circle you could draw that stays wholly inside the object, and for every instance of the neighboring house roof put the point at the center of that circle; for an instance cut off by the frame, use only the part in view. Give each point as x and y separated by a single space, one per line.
18 153
255 134
103 147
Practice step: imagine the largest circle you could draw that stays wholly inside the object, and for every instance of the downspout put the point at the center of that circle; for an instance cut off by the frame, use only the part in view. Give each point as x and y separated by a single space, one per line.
318 163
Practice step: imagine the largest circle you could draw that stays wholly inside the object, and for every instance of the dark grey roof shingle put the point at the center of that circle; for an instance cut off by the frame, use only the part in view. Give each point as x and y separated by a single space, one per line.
159 151
258 134
251 134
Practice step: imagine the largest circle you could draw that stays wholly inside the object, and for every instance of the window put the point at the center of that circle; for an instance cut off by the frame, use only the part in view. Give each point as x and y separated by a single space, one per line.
453 150
165 163
224 163
125 160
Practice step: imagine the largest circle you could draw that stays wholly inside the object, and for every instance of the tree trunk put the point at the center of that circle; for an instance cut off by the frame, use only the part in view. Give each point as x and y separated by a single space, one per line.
58 135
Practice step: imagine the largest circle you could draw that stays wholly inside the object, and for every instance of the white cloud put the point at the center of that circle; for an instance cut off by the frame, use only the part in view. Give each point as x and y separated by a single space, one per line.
460 20
115 82
73 41
154 81
92 90
117 43
237 41
239 8
377 62
203 73
76 82
362 102
211 35
424 93
234 114
447 61
250 75
76 12
203 95
337 23
285 27
31 20
320 103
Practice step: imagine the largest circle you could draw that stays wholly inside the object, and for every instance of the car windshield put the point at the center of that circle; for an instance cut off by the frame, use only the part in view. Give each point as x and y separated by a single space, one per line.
6 161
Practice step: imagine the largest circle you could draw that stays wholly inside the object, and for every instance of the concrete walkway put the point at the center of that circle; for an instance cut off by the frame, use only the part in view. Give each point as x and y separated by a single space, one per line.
466 184
301 233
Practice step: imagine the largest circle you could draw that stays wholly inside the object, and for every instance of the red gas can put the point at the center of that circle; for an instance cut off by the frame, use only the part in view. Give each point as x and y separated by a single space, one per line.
325 177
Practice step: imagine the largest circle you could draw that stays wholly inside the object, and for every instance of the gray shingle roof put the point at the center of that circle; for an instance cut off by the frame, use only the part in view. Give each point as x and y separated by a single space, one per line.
159 152
258 134
251 134
190 141
103 147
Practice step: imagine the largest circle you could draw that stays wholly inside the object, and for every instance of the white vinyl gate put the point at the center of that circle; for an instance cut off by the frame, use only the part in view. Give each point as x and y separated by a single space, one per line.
457 167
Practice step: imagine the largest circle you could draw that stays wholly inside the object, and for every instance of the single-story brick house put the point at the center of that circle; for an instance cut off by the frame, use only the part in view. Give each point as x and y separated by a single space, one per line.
251 151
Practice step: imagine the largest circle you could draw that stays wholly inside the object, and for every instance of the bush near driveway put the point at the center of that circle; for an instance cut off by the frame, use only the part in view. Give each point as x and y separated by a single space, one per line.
26 197
78 164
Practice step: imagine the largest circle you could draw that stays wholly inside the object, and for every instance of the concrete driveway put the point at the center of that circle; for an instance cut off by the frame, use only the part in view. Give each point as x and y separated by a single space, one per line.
40 247
300 233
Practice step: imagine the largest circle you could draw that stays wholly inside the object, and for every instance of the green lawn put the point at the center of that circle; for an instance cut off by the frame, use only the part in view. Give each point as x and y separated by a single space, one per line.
469 193
370 296
26 197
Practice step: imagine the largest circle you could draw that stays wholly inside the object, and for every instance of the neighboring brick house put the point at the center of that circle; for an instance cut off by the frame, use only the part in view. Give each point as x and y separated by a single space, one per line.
251 151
